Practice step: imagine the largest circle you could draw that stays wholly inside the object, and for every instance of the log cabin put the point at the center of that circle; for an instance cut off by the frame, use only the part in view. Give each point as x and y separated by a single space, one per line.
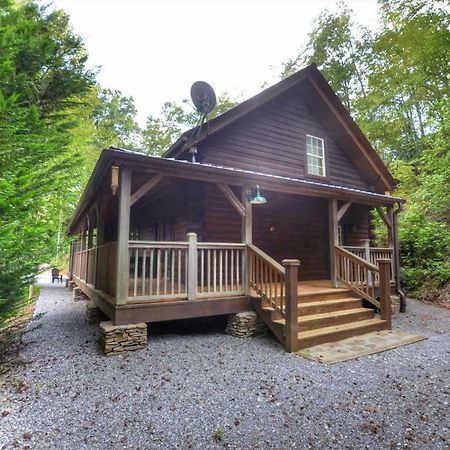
275 215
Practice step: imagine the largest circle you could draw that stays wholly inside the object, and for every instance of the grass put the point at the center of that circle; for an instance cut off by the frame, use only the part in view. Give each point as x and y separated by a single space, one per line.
218 435
12 328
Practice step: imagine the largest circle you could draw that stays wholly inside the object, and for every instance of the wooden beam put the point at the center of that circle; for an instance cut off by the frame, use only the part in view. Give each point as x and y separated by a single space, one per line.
214 175
123 236
247 236
385 291
333 239
385 218
146 187
229 194
291 311
342 210
192 269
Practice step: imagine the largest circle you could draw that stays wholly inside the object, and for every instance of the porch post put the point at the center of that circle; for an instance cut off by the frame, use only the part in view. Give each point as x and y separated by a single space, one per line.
100 237
291 304
247 235
396 258
385 290
123 236
333 238
192 266
390 231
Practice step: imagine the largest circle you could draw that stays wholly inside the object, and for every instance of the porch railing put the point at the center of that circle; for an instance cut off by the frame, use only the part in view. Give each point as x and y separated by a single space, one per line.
106 269
103 275
372 255
84 263
185 270
267 279
158 270
366 279
220 269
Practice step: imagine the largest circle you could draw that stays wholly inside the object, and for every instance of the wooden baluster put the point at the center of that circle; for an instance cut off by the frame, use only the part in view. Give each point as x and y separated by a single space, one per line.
179 270
144 261
226 270
220 271
172 270
136 261
276 276
232 270
158 270
214 271
202 271
208 269
150 276
166 269
238 269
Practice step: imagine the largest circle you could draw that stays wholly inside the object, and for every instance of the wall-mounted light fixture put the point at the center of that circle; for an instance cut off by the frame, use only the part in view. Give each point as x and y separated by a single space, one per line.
114 179
257 199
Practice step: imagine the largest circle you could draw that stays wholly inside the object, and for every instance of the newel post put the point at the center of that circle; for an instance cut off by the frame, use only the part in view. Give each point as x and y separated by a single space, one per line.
192 269
291 304
385 290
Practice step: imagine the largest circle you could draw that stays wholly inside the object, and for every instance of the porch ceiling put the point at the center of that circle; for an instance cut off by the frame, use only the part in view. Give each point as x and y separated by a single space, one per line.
219 174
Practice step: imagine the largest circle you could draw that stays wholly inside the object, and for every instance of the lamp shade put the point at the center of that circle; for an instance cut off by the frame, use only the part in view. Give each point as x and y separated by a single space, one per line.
258 199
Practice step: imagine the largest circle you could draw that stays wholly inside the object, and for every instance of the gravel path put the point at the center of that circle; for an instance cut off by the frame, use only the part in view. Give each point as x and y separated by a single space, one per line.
194 387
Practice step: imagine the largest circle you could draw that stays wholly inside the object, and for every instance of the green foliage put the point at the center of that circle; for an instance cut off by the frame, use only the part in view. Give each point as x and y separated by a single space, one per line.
162 131
41 69
115 120
395 81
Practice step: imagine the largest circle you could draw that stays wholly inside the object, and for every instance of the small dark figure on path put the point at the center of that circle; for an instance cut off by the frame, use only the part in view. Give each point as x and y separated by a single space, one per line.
56 276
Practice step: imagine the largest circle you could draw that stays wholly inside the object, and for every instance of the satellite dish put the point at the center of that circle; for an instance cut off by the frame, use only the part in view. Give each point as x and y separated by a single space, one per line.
203 97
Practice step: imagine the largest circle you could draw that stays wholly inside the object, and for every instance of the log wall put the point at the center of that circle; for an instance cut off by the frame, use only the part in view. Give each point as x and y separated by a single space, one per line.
272 139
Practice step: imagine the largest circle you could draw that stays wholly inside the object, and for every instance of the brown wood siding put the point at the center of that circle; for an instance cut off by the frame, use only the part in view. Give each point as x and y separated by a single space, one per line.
300 232
221 222
273 140
356 224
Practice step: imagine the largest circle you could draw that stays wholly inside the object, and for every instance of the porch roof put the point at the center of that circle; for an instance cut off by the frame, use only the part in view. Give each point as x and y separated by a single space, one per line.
219 174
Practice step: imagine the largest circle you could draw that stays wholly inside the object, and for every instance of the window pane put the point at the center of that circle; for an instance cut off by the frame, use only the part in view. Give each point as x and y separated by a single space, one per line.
315 156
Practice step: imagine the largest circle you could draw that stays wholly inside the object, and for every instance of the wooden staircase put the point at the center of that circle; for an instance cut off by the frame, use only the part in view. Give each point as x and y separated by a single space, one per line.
328 316
302 316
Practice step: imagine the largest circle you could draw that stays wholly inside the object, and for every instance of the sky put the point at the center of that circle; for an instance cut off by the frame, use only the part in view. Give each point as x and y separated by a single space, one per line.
154 50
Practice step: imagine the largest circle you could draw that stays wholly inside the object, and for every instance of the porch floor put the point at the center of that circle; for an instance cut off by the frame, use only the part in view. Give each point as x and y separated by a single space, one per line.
305 288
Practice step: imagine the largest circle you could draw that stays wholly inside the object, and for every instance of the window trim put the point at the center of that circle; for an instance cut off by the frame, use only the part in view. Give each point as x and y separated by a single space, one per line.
323 158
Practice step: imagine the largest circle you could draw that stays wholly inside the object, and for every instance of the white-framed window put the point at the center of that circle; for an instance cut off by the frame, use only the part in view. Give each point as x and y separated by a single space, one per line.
315 154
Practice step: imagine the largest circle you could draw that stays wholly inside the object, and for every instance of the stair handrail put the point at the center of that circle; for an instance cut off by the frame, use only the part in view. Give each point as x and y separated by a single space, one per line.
357 274
267 278
276 265
277 287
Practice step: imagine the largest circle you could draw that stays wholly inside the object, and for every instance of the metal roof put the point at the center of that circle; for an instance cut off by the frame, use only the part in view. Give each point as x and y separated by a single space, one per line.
233 176
262 174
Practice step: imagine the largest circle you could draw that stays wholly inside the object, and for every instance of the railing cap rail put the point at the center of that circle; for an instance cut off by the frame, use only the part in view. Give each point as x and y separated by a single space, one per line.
357 259
277 266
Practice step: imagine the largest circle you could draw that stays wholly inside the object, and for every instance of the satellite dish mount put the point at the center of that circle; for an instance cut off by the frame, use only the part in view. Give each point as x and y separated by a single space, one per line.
204 99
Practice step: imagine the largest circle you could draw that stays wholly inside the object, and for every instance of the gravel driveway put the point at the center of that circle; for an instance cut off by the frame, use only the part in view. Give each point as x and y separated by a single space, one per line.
194 387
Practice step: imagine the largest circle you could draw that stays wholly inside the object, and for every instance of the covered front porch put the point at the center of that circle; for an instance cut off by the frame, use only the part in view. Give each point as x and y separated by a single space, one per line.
178 244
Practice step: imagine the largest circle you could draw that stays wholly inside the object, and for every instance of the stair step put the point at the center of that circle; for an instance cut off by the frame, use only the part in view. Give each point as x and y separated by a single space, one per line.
324 306
335 333
324 294
314 321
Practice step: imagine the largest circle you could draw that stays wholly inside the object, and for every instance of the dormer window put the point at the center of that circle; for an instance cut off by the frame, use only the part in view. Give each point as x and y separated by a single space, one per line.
315 154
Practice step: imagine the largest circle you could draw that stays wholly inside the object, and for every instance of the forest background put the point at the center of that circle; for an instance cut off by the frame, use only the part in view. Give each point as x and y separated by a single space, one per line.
55 119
